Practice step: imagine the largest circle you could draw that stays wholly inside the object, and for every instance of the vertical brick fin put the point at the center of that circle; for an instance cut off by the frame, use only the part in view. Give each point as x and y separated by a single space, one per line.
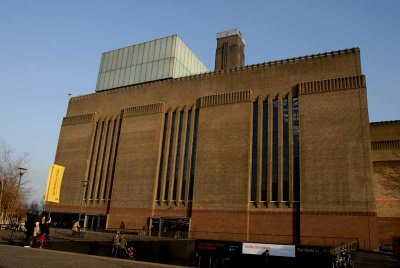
144 109
79 119
226 98
342 83
386 145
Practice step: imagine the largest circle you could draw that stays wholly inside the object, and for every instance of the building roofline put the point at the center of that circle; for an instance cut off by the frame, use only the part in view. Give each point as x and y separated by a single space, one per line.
390 122
238 69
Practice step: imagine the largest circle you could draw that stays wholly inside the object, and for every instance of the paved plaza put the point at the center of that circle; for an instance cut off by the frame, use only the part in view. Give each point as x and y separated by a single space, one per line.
14 256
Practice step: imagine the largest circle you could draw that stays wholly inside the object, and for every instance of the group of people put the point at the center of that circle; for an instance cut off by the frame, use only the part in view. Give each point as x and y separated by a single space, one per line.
37 229
119 247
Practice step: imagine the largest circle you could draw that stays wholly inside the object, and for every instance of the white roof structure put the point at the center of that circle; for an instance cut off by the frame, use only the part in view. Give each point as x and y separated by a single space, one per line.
167 57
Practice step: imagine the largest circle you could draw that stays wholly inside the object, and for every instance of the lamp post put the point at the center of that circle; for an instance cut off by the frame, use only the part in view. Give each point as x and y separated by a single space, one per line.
21 172
84 184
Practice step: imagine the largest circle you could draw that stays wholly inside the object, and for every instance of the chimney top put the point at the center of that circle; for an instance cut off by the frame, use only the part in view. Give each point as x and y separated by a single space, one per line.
231 33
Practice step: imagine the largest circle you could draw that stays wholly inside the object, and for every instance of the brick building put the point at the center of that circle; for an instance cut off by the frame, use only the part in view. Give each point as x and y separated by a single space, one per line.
277 152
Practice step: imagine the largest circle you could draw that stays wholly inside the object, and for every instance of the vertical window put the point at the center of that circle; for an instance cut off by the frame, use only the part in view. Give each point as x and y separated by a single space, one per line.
186 158
254 153
101 181
93 184
171 146
285 150
91 161
296 150
264 152
275 158
162 158
194 149
178 156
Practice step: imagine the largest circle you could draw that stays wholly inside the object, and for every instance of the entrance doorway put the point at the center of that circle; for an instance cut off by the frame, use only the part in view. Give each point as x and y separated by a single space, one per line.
169 227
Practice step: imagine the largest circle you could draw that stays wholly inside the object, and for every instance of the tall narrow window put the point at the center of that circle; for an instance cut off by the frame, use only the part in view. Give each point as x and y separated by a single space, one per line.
170 154
254 153
186 158
162 158
296 150
96 163
101 180
194 150
275 158
264 152
89 178
285 150
178 156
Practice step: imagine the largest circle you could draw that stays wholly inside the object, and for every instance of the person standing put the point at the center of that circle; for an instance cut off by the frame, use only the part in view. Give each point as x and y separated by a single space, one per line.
75 228
115 244
36 233
30 226
122 247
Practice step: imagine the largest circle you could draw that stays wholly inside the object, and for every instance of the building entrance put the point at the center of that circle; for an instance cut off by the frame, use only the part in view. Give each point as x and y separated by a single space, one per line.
169 227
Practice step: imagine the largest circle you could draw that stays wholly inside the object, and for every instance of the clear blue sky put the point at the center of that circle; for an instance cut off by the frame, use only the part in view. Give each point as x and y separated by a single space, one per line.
51 48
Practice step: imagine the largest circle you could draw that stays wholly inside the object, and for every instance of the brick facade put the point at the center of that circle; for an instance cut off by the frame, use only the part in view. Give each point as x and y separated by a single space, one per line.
204 146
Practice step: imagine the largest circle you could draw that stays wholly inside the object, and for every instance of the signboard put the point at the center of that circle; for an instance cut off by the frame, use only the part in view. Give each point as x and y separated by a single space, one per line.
222 247
54 184
274 249
303 250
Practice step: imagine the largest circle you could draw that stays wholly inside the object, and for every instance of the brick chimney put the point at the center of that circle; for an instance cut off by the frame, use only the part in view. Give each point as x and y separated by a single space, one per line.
230 50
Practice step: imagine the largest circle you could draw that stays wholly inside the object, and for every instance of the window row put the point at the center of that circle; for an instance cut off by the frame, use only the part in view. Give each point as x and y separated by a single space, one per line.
271 168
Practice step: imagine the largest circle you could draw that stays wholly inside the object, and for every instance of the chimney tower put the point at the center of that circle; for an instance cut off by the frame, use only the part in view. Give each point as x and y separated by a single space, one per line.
230 50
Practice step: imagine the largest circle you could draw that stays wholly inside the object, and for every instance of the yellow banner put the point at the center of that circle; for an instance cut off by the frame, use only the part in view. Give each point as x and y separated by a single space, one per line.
54 184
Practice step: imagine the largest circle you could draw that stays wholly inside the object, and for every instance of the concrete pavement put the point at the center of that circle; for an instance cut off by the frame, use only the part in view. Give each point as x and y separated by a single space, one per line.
14 256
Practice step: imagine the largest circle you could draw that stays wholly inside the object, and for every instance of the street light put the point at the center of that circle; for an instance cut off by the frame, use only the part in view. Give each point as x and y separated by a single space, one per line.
84 184
21 172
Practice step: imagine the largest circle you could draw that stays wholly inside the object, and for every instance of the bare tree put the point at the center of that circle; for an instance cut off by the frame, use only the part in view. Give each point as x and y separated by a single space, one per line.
12 196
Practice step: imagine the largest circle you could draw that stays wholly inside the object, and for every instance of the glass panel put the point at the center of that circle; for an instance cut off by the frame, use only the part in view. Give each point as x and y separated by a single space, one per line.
125 57
132 75
126 77
143 73
138 70
111 82
116 78
114 59
121 77
146 52
135 55
120 54
101 82
151 51
157 49
160 69
103 62
130 55
140 55
166 72
107 80
154 70
109 61
148 71
168 51
163 48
